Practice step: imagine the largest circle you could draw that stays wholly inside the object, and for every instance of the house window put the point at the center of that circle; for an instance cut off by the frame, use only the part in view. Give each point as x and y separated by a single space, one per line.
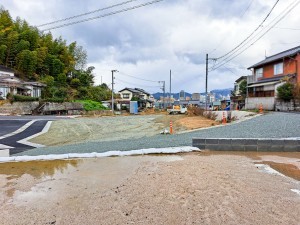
278 68
126 96
259 73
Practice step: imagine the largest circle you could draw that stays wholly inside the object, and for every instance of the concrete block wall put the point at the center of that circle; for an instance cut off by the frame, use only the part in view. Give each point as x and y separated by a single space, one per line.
254 103
256 145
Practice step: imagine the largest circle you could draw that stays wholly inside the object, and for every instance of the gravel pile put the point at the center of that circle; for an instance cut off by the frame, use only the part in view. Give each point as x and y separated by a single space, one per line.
271 125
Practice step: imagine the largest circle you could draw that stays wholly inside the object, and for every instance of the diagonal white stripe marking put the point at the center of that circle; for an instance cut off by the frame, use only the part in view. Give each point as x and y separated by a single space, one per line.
19 130
26 142
5 147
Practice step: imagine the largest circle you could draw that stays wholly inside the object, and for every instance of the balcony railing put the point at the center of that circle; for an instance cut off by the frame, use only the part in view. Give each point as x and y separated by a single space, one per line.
251 79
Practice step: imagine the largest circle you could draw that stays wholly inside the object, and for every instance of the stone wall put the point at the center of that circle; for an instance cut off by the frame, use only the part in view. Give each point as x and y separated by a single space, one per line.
29 108
18 108
287 105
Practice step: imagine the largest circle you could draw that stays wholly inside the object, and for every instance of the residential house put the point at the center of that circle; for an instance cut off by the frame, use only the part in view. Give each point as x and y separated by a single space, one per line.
145 98
11 84
267 76
237 100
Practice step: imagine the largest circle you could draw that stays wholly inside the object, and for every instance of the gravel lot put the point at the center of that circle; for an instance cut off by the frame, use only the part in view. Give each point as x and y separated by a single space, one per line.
271 125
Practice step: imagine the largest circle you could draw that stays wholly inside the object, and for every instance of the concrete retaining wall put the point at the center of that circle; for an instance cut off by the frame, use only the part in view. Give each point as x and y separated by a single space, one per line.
254 103
236 115
252 144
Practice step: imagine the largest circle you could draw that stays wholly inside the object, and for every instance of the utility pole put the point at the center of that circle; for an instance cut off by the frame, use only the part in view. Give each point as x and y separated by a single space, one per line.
164 91
170 87
112 90
206 82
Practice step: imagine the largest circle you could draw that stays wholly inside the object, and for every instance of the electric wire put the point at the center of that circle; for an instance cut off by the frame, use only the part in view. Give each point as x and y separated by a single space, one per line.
124 74
104 15
223 40
130 83
87 13
259 26
287 28
230 58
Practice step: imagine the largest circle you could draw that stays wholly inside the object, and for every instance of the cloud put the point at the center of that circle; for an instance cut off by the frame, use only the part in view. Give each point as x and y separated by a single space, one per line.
177 34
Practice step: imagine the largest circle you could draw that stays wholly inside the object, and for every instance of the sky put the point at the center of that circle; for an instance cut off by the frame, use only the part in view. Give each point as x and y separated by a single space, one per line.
175 35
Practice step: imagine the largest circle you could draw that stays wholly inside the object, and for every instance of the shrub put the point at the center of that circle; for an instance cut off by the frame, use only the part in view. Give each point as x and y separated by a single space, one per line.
90 105
54 99
285 91
22 98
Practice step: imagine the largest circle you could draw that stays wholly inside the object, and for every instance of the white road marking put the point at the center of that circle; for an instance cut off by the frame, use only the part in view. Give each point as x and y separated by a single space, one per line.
4 153
21 129
5 147
26 142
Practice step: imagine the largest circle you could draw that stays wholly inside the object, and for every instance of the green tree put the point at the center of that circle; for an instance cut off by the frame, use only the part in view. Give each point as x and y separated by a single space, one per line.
243 88
26 62
285 91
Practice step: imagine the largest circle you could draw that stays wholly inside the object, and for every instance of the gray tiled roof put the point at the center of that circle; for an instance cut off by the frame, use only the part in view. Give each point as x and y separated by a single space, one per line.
281 55
6 69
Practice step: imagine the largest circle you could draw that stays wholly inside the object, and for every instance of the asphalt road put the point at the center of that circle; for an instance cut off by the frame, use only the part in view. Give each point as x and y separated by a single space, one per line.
9 124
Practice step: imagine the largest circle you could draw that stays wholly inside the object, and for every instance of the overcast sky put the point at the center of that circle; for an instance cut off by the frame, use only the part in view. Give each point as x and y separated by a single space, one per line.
173 34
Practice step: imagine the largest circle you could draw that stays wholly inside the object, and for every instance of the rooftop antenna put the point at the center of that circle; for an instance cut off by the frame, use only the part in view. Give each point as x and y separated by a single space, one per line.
266 54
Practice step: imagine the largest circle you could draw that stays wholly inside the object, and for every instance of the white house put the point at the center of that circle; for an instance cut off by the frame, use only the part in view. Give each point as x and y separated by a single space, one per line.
11 84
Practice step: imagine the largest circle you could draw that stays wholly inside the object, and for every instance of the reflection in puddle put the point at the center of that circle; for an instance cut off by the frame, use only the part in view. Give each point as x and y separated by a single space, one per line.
30 180
37 169
286 163
286 169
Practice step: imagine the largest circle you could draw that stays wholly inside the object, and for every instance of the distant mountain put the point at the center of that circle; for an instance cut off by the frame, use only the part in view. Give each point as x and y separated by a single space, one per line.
219 93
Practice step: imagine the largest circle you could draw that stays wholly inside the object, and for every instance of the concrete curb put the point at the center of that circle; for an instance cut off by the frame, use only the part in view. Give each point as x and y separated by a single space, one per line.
248 144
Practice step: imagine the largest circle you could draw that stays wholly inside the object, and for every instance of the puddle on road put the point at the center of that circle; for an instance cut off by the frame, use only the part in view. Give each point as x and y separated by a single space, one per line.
36 169
286 163
26 181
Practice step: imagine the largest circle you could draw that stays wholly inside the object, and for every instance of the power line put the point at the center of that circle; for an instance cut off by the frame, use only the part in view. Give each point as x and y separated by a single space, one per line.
104 15
292 6
259 26
223 40
126 82
154 81
87 13
287 28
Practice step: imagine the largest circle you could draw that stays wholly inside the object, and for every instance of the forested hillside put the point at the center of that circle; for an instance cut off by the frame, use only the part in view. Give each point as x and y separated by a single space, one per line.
37 56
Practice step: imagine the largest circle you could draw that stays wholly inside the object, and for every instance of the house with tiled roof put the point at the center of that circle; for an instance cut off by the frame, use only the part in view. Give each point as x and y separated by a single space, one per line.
267 76
144 97
15 86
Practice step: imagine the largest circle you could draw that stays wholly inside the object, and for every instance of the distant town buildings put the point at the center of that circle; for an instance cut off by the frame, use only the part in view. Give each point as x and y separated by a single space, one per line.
182 95
196 96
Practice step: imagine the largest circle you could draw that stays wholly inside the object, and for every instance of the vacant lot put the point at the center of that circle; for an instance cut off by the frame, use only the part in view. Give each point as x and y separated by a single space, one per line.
116 128
199 188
